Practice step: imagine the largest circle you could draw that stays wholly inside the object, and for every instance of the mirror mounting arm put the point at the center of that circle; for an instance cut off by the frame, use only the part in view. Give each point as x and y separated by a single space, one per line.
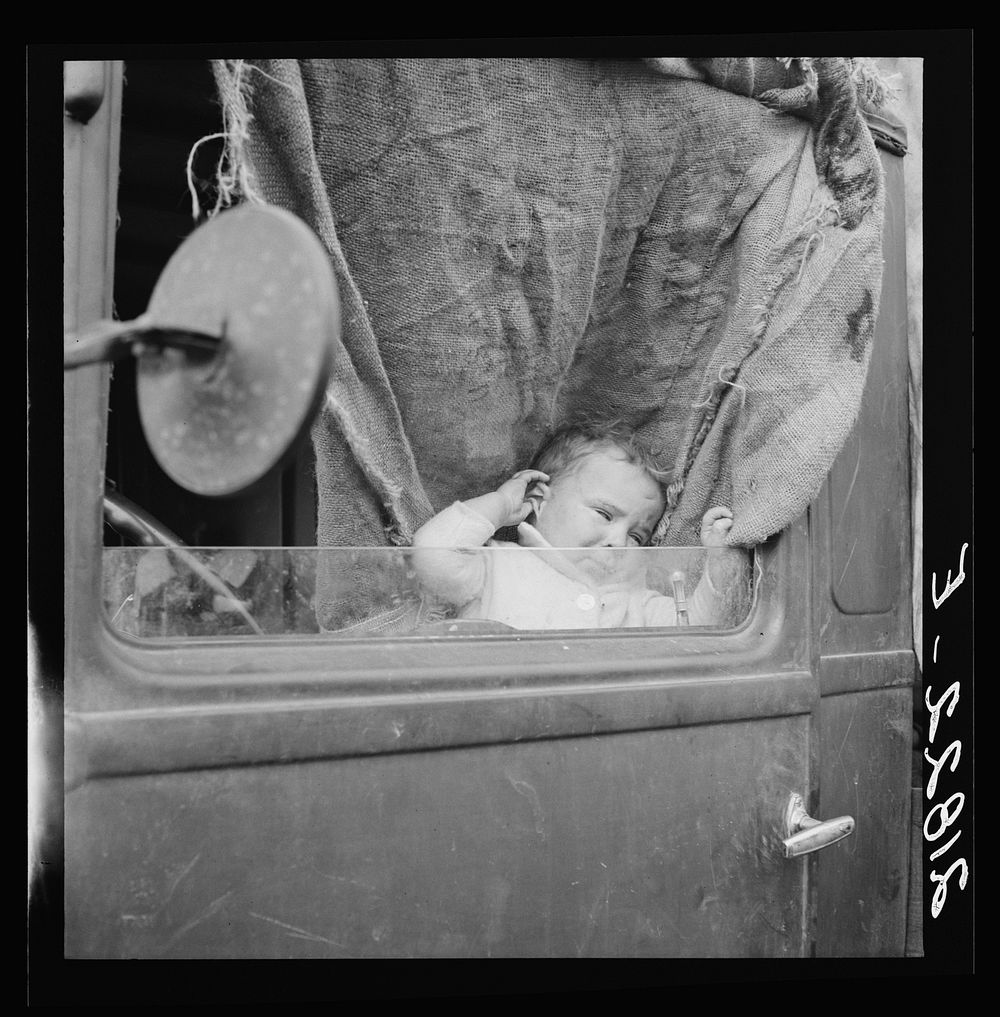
107 341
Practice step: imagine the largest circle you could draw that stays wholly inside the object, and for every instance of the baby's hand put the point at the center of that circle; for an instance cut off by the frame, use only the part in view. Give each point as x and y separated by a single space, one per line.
715 525
523 494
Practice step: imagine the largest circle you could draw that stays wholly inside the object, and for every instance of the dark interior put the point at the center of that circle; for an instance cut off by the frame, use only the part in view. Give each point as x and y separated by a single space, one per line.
167 106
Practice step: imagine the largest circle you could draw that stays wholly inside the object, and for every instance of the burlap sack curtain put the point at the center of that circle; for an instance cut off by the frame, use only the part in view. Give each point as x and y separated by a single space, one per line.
691 245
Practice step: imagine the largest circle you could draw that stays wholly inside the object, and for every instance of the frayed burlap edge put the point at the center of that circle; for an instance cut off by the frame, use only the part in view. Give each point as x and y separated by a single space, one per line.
234 177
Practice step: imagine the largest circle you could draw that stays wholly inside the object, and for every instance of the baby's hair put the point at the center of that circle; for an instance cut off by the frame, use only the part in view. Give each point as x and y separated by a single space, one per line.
573 441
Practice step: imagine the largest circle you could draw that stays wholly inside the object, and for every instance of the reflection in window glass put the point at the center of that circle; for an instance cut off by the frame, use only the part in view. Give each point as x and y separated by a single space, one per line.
221 592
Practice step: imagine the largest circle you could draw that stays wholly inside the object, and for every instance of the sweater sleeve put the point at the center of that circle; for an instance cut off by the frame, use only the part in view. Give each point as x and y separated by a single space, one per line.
705 602
444 554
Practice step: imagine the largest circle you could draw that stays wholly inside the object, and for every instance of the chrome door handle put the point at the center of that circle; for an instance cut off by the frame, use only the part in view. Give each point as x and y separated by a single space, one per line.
803 834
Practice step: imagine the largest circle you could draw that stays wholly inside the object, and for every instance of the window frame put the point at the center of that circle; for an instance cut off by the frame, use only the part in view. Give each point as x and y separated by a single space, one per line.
137 706
191 703
176 662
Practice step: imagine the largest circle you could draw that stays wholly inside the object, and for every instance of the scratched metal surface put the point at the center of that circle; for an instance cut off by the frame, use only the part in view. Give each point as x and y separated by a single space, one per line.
650 843
865 769
865 661
862 568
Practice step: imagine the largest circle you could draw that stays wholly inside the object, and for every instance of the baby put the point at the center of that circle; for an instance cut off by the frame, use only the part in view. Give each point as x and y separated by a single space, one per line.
588 489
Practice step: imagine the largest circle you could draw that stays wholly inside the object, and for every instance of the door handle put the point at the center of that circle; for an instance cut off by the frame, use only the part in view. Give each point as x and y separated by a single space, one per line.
803 834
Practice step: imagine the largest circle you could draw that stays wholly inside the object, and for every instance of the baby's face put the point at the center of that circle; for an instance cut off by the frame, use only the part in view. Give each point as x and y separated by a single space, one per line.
602 500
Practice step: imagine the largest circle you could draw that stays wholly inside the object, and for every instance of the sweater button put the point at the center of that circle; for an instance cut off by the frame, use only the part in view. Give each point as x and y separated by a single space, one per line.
585 602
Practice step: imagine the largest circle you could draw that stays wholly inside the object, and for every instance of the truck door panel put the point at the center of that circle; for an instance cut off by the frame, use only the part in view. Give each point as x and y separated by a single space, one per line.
866 664
576 794
862 889
612 845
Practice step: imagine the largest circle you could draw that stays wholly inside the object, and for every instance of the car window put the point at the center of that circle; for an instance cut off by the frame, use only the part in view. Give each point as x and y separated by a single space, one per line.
176 592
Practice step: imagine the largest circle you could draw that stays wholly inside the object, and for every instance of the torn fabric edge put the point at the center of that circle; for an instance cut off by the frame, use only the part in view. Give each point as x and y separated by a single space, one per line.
237 182
722 382
831 96
234 180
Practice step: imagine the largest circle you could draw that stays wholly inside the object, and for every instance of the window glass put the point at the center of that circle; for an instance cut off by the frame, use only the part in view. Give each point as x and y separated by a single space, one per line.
159 592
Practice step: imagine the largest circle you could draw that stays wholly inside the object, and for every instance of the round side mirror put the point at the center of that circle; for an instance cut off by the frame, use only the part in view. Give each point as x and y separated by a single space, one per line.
258 278
234 349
